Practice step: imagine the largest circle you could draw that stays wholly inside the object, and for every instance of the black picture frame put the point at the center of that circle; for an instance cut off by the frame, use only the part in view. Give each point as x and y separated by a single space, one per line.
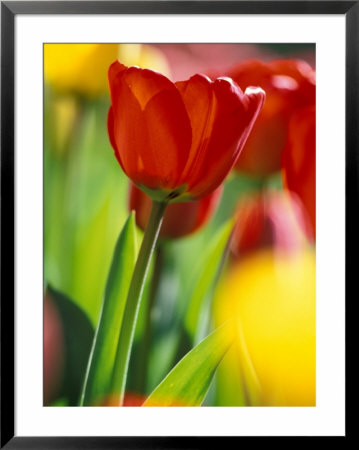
9 10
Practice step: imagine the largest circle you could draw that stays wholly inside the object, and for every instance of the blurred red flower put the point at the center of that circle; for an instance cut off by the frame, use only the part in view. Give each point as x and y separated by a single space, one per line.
180 219
274 219
135 399
54 351
298 159
289 86
130 399
178 140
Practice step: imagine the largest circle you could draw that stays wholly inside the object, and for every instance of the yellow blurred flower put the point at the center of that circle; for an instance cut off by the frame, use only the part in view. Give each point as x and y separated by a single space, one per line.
79 68
82 68
273 300
145 56
65 111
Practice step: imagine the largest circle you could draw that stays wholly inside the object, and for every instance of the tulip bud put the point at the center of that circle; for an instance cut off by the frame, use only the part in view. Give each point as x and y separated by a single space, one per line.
289 85
270 220
180 219
298 160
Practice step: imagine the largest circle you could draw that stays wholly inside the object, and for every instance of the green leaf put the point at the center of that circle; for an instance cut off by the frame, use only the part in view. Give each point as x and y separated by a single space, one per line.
78 336
100 365
189 381
210 265
60 402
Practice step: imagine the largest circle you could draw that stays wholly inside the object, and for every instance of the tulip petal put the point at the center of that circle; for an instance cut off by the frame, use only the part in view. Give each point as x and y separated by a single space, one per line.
111 129
235 116
151 133
129 132
169 136
221 122
197 95
146 84
115 73
126 127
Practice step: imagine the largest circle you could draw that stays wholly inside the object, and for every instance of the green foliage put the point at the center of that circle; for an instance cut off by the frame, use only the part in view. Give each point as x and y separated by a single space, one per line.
78 335
187 384
84 207
101 361
209 267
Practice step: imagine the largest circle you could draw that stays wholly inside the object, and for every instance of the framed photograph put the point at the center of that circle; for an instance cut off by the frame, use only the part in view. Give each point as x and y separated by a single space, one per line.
177 234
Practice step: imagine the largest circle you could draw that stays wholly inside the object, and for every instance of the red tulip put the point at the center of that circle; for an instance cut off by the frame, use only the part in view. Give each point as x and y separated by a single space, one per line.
130 399
289 85
180 219
54 350
299 159
134 399
270 220
178 140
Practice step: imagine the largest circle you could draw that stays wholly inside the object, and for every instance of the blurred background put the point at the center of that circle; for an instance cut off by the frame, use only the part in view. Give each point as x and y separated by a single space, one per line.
267 279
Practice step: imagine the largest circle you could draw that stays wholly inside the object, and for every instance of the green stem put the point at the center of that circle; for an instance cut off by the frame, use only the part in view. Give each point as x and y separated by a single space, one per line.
129 320
147 334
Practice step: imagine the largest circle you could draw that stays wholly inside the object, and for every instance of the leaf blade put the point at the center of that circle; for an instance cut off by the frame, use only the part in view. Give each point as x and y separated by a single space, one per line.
206 279
101 361
189 381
